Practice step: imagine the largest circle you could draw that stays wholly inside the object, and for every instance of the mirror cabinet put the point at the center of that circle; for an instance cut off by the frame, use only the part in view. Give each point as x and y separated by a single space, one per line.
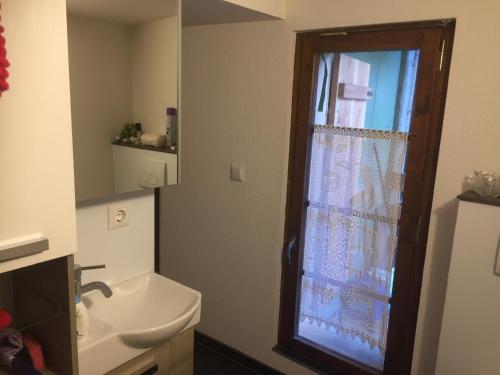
123 64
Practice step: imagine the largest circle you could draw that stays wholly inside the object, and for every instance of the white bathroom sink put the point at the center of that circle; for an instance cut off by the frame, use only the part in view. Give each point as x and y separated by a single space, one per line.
143 312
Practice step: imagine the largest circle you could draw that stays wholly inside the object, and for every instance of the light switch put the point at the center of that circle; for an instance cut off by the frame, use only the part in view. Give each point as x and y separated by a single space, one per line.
237 172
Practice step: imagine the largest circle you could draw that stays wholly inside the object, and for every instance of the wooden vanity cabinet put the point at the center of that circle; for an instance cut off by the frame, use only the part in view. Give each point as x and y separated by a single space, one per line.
175 357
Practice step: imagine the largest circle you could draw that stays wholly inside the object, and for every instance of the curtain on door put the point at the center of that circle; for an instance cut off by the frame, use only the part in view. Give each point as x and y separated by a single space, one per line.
351 230
355 188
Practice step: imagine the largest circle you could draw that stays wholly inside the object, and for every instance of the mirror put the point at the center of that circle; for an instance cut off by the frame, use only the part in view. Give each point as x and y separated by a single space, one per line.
123 64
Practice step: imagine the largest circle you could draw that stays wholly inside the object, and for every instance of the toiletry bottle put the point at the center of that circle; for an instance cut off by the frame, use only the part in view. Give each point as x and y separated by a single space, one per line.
171 126
82 319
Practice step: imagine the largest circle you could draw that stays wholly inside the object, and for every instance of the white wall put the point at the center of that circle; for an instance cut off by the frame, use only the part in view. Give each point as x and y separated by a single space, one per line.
218 236
471 134
127 251
225 238
154 73
275 8
36 156
101 100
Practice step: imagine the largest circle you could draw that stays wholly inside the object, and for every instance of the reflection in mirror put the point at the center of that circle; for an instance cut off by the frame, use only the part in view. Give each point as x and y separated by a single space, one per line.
123 57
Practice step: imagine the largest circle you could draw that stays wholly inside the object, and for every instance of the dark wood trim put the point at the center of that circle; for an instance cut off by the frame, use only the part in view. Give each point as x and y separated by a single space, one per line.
402 333
166 150
235 355
285 320
472 196
382 27
427 124
157 230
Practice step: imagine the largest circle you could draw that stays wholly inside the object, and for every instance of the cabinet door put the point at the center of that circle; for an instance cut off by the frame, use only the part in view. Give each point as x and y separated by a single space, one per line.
36 157
469 341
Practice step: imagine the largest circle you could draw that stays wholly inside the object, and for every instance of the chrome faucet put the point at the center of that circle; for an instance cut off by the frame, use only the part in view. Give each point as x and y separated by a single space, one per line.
94 285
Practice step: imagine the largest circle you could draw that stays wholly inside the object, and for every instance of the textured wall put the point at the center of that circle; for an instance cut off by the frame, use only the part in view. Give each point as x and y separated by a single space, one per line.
225 238
218 236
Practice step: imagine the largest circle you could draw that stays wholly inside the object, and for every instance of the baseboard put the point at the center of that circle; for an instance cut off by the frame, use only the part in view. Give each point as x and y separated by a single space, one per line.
235 355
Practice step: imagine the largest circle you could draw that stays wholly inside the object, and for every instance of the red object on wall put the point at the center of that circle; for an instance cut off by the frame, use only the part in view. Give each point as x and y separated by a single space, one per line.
4 63
5 319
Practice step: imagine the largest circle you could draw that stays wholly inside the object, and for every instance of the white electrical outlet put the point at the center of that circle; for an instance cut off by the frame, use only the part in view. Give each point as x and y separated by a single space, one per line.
117 217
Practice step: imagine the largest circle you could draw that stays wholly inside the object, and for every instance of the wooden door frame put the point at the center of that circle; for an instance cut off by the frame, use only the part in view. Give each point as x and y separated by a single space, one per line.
409 267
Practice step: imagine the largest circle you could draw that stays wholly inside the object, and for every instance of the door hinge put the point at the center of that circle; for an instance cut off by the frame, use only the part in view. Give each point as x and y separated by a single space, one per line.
441 55
419 229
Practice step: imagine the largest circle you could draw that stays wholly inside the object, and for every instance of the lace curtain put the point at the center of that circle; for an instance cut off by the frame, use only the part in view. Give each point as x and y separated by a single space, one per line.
355 185
355 188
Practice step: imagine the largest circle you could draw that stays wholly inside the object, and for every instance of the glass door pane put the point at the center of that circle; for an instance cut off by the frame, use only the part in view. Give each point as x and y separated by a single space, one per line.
362 112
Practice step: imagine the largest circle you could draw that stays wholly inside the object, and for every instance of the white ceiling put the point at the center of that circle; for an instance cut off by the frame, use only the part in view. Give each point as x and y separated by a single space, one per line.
129 12
208 12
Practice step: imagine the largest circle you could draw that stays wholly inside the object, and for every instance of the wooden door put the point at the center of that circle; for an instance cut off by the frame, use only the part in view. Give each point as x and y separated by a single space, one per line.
433 41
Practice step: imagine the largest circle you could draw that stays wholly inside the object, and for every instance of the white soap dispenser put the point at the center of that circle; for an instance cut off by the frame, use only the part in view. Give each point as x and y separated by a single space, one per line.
82 314
82 319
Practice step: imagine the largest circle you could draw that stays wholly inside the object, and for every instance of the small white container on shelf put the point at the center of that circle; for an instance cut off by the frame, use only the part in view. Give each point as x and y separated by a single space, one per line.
154 140
82 321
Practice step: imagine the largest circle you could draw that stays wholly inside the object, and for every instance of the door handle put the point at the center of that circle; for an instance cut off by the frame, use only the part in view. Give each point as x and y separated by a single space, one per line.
291 248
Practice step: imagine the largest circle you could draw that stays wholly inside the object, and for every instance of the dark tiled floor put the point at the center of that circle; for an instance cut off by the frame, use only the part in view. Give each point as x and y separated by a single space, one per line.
210 362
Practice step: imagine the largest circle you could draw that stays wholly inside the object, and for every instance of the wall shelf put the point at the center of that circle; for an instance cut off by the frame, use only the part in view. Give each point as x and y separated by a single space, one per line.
472 196
167 150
